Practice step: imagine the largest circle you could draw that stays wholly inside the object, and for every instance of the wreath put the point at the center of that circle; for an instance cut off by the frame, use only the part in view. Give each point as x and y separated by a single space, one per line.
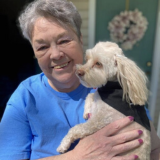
128 28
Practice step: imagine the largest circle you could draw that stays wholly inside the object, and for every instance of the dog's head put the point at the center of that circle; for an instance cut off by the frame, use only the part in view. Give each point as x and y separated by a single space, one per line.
106 62
100 65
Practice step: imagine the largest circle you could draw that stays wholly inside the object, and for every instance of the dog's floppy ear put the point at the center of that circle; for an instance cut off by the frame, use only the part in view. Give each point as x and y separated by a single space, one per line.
132 79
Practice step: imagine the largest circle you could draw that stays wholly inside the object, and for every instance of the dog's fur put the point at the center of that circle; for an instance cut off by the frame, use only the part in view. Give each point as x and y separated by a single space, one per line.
106 62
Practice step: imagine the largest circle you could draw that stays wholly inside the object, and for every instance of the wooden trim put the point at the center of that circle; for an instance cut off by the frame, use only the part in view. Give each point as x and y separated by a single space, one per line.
91 25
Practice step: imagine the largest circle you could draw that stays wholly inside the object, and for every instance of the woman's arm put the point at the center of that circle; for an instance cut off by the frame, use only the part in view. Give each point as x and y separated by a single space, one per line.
155 144
102 145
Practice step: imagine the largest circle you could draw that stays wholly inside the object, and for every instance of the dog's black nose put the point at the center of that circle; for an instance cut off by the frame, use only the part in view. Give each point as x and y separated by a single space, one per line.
80 73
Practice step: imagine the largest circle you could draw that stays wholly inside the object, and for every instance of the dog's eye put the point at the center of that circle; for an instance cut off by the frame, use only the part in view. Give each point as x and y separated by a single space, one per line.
98 64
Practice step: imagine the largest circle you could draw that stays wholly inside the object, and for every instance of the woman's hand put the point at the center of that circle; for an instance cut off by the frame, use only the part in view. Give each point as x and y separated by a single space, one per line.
102 145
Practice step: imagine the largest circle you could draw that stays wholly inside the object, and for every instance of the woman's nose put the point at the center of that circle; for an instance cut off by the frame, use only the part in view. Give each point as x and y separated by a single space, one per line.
55 53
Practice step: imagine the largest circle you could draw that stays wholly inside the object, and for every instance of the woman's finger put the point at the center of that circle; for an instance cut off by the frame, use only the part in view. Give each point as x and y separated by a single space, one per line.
116 126
125 137
132 157
122 148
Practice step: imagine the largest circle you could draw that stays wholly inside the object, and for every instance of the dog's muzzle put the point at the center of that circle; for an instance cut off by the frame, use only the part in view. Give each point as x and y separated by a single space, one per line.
80 73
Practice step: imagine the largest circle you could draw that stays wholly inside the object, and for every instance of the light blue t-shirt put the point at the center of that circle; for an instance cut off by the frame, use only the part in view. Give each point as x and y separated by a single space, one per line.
37 118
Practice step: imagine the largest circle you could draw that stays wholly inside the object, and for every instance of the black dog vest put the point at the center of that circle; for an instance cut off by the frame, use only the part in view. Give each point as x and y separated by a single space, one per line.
112 94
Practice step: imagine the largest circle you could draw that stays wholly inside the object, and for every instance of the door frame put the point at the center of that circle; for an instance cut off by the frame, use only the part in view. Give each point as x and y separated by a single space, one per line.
155 68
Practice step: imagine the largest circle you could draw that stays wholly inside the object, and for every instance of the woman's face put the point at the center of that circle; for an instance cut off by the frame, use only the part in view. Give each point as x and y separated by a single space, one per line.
57 50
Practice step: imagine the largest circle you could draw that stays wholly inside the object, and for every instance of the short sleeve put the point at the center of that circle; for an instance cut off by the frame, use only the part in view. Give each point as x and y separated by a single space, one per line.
148 114
15 132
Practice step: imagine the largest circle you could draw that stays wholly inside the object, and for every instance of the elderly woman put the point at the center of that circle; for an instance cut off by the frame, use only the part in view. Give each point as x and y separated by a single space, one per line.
45 106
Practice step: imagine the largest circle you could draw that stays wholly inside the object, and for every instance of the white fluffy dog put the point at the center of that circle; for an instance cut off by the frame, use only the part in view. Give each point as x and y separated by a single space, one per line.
121 92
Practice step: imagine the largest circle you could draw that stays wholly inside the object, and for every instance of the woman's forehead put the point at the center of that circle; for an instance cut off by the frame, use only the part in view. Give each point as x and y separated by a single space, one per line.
48 31
44 26
45 23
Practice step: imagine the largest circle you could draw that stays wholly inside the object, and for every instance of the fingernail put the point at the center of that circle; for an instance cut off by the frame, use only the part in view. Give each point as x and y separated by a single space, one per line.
140 141
140 132
131 118
136 157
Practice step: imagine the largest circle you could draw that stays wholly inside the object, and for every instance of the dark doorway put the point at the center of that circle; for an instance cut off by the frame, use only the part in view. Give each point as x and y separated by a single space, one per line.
16 60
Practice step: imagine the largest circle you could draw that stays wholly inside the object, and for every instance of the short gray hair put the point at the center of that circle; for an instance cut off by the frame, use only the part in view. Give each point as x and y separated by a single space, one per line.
62 11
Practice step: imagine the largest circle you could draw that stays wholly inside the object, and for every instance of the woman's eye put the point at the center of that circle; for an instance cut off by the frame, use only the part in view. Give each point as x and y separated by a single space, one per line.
64 41
42 48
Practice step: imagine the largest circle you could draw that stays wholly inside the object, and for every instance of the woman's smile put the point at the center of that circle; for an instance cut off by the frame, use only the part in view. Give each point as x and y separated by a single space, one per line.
62 66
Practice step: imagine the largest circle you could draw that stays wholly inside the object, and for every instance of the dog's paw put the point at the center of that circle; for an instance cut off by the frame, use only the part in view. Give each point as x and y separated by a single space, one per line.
65 144
61 149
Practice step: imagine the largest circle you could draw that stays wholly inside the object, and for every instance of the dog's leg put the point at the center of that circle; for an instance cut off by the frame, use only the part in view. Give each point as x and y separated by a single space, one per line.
88 104
79 131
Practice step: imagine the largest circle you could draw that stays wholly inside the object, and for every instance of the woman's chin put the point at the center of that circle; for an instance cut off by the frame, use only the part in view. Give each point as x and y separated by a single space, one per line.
66 82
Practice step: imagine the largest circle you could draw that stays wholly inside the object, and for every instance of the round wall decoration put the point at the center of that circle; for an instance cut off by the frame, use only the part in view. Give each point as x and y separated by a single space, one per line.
128 28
